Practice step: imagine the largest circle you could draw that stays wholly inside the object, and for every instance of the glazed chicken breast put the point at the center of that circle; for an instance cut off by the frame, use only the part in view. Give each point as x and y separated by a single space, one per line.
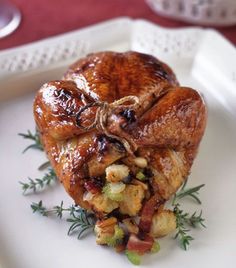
121 135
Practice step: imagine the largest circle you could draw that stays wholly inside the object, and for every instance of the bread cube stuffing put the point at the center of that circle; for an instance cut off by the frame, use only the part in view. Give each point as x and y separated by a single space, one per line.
132 200
116 173
102 203
108 232
104 229
163 223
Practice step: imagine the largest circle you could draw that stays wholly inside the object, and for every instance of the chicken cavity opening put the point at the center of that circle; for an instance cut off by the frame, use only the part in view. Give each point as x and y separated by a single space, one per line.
123 187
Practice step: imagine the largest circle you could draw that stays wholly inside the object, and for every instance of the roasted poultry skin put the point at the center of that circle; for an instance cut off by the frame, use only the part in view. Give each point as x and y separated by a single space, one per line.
112 108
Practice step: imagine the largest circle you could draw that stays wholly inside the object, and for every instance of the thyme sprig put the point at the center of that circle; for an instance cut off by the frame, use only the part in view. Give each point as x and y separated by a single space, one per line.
181 230
196 220
183 219
33 137
189 192
38 207
37 183
79 218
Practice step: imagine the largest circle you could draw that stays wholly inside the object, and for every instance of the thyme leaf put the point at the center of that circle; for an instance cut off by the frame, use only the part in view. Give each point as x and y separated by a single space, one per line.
196 220
38 207
44 165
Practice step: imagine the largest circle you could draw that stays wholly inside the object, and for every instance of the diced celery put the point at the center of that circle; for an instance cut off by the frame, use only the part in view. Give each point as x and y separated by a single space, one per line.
117 238
155 247
133 257
116 187
115 197
140 176
108 191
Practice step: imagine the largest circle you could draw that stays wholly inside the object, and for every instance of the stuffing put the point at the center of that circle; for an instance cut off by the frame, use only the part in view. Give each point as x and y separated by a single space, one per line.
114 190
104 229
108 232
163 223
132 200
131 226
101 203
116 173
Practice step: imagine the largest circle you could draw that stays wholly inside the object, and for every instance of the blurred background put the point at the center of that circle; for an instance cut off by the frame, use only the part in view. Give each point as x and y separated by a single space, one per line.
43 18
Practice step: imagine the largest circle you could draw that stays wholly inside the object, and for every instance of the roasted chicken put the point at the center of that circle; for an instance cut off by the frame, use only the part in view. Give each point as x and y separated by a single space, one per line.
121 135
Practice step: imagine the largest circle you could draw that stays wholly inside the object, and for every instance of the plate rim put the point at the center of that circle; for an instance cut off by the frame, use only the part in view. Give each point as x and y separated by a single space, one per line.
12 54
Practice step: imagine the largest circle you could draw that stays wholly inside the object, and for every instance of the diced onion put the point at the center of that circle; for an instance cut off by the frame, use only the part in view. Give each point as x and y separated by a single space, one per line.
116 173
117 187
88 196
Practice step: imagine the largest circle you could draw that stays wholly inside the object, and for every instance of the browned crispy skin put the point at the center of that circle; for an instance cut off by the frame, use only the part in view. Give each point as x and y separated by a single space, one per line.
170 120
110 76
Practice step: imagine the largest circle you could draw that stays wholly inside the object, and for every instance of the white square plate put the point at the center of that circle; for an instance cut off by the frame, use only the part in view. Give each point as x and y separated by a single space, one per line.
202 59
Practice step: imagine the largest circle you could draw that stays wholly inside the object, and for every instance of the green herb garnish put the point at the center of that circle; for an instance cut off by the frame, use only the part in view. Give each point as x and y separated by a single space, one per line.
44 165
37 183
79 218
33 137
183 219
189 192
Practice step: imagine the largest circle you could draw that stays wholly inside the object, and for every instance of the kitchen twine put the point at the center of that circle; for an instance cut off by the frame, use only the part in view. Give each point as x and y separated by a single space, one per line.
104 110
